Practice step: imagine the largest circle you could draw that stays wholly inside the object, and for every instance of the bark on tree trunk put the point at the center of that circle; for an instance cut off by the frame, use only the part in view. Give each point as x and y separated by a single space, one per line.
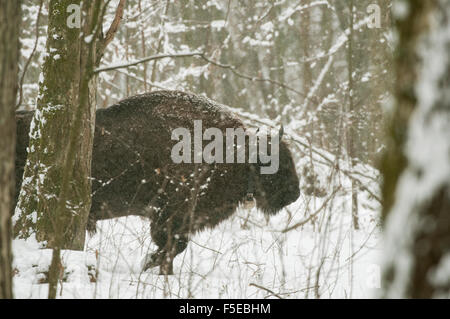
55 197
56 188
9 58
417 186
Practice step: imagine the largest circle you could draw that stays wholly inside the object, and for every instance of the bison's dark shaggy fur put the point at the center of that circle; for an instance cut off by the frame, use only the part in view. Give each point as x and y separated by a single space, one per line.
133 173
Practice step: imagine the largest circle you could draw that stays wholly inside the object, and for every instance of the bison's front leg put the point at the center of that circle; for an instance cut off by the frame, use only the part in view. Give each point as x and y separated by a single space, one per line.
168 248
153 260
171 251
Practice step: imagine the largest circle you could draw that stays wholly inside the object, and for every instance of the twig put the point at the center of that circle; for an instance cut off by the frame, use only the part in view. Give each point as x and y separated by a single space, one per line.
301 223
149 58
363 244
213 250
234 70
135 77
266 289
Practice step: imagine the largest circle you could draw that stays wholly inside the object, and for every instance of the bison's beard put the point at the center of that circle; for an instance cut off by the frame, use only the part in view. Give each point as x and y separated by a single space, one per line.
271 205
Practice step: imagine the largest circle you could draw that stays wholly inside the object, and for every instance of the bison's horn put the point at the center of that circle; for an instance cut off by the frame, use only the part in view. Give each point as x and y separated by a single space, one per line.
281 132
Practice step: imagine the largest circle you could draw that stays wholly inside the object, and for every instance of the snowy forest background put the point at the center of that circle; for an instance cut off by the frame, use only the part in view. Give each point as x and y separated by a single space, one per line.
328 74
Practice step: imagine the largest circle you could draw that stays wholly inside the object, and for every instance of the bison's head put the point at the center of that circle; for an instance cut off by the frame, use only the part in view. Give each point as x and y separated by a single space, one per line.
275 191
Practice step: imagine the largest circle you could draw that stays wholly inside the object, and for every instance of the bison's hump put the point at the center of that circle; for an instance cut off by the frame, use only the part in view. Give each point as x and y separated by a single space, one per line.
173 104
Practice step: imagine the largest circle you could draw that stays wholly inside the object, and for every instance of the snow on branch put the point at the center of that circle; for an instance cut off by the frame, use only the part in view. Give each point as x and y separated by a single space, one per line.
289 12
146 59
201 55
342 39
317 83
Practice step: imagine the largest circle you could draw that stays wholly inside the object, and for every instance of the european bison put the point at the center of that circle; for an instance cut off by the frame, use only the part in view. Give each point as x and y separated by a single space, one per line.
133 173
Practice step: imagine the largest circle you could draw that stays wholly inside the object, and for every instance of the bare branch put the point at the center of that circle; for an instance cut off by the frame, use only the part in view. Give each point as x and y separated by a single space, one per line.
115 24
113 27
234 70
201 55
149 58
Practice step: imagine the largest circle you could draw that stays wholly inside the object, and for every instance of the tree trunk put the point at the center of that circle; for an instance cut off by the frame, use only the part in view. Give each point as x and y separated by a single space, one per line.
55 198
54 201
9 58
416 167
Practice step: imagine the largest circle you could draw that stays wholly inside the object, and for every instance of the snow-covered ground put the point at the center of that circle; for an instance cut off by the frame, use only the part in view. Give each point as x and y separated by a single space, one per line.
246 256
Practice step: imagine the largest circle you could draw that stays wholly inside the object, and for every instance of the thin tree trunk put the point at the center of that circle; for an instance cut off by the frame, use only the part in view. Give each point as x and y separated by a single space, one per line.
161 38
144 51
351 114
307 76
10 17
